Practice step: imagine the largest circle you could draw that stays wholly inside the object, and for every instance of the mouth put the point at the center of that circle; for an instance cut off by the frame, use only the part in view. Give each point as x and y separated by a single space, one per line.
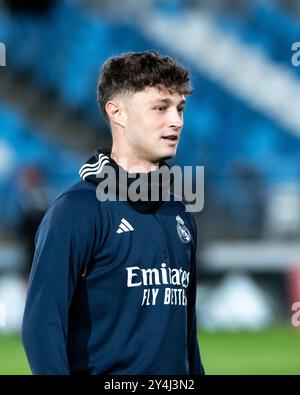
171 139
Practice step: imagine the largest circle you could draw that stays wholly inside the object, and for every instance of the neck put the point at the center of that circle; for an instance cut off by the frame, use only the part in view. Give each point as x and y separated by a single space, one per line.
131 162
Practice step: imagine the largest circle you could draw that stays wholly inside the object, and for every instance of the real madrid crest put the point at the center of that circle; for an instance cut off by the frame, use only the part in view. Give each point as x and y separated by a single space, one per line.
182 230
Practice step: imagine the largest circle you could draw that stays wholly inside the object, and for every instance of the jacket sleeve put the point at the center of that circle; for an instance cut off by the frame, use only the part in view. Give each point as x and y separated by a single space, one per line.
64 245
195 364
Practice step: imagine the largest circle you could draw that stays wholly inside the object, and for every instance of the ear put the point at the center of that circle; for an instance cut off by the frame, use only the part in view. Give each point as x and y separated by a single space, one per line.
115 112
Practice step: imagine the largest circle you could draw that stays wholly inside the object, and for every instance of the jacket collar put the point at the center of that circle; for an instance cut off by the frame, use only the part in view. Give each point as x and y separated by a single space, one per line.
94 171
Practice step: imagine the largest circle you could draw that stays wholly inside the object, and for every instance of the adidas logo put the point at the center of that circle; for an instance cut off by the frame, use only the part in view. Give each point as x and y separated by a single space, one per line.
124 226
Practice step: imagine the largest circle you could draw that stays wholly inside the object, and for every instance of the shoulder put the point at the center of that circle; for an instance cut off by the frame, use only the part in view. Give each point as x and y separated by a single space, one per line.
82 193
78 202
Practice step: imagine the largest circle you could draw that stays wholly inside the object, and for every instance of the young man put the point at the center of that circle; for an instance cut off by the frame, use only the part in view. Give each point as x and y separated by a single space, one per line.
113 283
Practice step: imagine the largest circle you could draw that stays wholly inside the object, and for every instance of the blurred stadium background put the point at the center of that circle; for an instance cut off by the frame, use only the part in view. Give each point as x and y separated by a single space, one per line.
242 123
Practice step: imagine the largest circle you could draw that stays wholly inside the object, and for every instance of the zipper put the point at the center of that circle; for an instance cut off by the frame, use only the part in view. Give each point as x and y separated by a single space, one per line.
164 239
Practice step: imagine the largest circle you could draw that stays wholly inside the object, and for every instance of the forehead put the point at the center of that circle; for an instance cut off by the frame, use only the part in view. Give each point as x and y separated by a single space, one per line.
156 94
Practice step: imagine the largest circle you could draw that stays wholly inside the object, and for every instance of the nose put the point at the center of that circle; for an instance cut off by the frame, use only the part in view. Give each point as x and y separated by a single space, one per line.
176 119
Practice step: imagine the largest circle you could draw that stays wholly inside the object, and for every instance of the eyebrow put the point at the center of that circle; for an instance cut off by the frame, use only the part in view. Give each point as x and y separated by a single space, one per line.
167 101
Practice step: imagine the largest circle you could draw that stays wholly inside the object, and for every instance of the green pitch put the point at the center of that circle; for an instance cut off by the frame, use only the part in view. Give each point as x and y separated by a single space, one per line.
12 356
272 351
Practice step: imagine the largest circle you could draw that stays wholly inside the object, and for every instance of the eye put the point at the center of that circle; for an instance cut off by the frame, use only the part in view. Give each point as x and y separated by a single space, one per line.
160 108
181 109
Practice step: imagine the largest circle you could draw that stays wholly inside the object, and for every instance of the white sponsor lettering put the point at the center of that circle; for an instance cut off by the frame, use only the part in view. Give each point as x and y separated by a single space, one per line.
162 276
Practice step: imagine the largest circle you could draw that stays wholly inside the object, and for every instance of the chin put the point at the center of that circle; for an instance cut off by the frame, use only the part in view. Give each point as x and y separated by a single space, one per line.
169 154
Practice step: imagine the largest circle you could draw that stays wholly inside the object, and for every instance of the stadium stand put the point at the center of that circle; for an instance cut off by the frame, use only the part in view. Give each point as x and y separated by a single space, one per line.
234 140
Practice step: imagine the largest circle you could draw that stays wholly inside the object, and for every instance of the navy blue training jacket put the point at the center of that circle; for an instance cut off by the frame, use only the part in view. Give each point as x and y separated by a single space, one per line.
112 288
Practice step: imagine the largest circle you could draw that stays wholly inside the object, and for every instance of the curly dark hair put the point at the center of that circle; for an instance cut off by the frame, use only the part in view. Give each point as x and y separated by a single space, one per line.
134 71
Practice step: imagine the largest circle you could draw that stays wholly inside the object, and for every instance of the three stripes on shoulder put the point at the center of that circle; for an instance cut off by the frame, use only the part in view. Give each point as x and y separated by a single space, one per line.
92 169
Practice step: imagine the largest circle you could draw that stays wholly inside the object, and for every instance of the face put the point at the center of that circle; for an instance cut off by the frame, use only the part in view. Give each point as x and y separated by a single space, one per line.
153 120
